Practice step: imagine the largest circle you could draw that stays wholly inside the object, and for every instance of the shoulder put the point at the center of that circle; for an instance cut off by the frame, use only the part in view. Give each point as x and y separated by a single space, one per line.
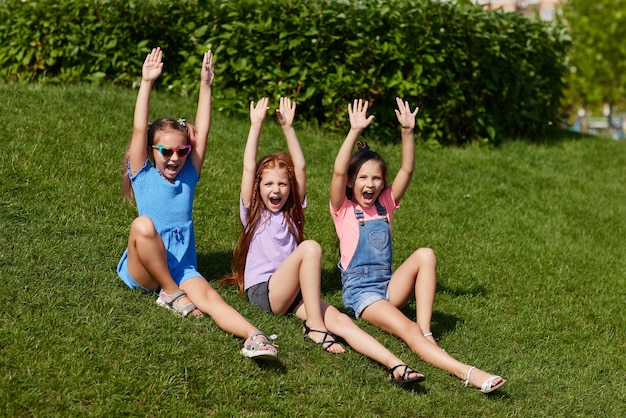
144 171
387 200
346 207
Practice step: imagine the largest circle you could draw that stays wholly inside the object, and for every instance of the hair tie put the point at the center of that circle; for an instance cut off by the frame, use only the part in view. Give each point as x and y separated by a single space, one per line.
362 145
181 122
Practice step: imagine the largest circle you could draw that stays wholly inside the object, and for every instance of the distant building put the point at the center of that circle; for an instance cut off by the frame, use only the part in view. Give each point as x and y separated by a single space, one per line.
546 9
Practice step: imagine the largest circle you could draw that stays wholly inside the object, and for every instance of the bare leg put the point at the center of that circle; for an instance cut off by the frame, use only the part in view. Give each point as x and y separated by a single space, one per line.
147 258
417 276
301 272
211 303
389 318
342 325
225 316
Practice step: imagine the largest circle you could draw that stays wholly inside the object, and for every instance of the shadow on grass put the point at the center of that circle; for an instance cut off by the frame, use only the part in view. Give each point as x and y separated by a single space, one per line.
215 265
275 366
473 290
556 135
442 323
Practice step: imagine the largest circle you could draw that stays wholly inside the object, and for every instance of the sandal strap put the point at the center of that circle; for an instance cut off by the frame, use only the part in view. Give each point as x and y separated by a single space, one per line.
327 342
487 383
252 344
467 379
404 378
257 334
169 299
184 310
171 302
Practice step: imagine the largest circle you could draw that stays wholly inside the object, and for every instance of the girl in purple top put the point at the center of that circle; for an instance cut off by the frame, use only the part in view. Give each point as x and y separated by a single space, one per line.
163 166
278 269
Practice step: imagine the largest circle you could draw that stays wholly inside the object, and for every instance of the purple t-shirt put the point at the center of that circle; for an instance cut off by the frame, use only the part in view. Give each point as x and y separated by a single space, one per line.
270 246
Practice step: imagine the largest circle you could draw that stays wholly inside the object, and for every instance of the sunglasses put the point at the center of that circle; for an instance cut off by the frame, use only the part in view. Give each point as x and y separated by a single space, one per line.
167 152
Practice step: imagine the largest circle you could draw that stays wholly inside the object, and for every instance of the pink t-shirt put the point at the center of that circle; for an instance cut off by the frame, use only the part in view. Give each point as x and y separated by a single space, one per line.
347 226
270 246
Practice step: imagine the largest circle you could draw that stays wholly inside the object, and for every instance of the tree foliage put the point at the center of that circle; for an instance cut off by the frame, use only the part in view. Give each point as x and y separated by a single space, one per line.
598 53
478 76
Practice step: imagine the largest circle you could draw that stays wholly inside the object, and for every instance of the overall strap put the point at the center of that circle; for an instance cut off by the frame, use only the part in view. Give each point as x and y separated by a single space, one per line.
359 216
382 212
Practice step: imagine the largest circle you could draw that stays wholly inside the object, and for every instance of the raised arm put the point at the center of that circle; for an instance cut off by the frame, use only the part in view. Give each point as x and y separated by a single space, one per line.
358 122
150 71
407 121
286 113
203 113
257 116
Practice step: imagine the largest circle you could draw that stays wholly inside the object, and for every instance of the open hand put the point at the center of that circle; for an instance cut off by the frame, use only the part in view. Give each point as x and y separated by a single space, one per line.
358 114
206 74
258 112
404 114
286 111
153 65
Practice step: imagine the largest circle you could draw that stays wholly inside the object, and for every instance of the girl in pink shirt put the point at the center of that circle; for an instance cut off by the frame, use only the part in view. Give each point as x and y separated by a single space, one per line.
362 205
278 269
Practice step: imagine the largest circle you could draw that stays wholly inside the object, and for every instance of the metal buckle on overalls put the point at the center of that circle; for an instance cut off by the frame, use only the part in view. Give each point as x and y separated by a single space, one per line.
359 216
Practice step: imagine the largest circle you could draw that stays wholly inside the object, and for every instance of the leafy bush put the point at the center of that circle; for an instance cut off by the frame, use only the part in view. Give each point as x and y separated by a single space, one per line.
477 75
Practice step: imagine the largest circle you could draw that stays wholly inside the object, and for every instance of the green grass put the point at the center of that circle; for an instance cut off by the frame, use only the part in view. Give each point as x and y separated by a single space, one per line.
530 246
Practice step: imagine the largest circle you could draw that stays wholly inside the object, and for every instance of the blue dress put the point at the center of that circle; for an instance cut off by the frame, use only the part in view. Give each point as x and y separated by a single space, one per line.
169 206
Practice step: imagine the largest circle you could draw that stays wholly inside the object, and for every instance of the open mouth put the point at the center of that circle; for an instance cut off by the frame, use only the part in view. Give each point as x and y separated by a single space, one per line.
368 195
275 201
171 168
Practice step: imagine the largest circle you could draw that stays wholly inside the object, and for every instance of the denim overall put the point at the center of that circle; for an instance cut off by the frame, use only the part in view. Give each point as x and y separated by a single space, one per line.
367 277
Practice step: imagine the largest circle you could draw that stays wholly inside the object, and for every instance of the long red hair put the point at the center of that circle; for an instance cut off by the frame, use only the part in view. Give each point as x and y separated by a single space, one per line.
292 210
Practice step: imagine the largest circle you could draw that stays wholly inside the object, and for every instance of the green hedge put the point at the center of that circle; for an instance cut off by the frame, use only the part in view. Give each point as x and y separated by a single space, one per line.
477 75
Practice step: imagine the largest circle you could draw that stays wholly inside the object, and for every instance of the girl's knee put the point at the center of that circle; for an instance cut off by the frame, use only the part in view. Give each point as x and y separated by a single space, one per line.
213 296
426 256
311 248
338 323
200 290
143 226
344 320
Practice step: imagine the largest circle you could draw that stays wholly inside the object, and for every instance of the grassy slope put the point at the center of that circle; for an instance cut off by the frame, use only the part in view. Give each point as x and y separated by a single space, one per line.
529 240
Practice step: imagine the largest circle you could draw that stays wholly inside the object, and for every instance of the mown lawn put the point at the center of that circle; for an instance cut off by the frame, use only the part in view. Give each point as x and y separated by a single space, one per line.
530 246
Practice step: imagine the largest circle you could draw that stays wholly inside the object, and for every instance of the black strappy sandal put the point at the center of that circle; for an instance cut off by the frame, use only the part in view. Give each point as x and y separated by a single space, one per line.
405 379
328 341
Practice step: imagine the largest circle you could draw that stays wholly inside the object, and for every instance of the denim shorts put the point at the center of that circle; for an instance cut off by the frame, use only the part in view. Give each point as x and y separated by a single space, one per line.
259 296
361 288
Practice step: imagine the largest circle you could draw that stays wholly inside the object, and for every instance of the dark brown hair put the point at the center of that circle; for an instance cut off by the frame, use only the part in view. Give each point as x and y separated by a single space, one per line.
363 155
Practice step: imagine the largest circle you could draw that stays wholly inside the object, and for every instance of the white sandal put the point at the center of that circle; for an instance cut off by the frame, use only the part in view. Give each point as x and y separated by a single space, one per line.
170 302
260 350
486 387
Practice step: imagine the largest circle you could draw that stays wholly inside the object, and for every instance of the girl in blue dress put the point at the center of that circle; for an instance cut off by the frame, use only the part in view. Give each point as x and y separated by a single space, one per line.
163 162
